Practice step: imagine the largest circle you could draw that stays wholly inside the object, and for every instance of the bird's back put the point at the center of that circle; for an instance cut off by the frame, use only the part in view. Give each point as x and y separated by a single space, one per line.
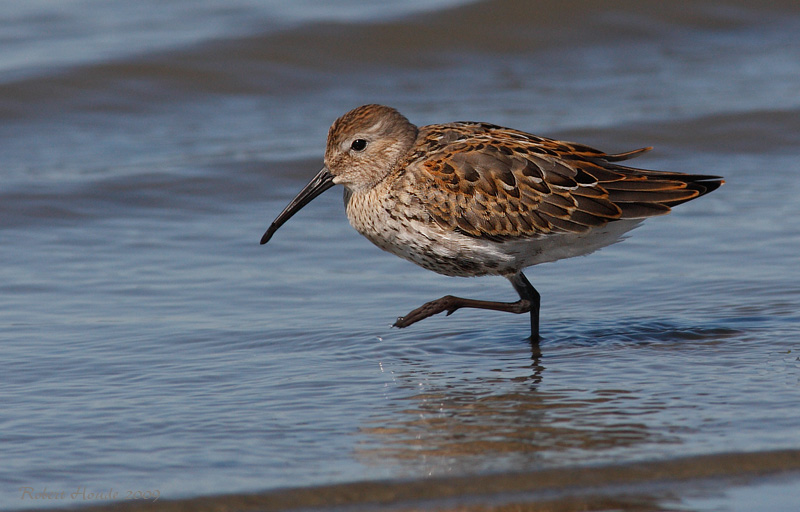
498 184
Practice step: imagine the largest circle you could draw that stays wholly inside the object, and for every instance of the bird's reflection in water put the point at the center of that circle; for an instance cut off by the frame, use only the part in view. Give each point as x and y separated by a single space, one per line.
496 423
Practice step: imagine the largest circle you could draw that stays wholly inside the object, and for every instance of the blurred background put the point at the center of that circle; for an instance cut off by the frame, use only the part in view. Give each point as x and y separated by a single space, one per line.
149 342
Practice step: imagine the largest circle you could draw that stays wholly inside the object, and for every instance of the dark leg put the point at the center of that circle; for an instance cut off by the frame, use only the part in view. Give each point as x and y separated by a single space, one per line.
528 302
527 292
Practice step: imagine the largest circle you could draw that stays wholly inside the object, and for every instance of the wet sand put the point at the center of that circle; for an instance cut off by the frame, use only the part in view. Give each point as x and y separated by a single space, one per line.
678 484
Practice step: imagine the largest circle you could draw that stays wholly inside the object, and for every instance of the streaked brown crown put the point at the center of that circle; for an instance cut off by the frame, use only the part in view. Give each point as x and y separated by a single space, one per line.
388 136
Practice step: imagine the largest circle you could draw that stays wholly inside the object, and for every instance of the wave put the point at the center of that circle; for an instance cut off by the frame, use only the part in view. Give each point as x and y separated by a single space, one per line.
310 56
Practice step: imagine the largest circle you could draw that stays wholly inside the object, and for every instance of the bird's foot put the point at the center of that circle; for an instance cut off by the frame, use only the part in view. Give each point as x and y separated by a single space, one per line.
447 303
450 304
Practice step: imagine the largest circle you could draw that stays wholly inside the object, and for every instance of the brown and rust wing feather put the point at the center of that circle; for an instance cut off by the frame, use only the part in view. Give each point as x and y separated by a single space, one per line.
495 183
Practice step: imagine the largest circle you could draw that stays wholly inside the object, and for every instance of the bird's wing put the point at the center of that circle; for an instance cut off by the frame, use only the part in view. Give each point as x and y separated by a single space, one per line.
490 182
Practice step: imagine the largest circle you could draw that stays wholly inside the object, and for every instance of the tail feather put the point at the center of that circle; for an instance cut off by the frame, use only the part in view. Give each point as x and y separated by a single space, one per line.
649 197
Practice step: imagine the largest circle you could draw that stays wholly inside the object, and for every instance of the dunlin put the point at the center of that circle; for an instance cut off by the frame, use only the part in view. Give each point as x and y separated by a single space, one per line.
471 199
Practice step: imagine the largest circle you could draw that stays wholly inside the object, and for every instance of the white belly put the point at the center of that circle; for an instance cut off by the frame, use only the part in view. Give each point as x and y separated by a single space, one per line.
451 253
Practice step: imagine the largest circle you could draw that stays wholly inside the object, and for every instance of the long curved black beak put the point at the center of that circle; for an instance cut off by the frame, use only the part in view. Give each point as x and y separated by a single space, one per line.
321 182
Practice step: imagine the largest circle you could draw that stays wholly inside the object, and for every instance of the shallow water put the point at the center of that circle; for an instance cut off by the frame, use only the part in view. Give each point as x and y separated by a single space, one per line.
150 343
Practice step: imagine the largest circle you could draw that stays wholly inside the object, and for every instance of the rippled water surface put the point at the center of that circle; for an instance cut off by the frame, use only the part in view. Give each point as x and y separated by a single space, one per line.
149 343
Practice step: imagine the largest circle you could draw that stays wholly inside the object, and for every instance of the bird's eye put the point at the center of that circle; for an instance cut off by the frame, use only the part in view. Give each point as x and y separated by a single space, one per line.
358 145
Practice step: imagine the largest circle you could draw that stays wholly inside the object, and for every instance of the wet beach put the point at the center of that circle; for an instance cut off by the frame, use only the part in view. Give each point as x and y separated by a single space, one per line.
150 343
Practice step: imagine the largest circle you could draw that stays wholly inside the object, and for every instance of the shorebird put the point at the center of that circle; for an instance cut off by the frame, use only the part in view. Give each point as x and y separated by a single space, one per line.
473 199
